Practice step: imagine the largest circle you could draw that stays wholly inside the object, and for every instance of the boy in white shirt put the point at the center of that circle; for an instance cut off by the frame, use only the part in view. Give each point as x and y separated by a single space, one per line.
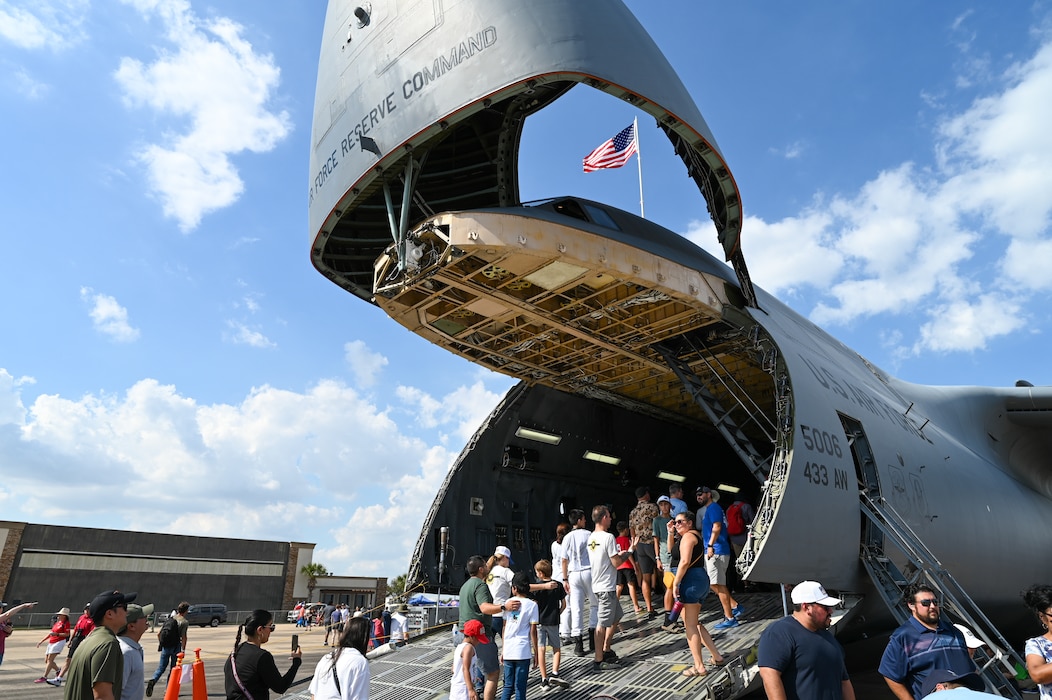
462 686
520 640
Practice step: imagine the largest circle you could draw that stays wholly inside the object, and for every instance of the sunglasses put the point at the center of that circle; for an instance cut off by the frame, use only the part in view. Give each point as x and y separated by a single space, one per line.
681 522
928 602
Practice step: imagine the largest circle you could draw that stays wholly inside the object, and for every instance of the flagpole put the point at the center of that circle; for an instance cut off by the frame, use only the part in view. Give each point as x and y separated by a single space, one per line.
639 162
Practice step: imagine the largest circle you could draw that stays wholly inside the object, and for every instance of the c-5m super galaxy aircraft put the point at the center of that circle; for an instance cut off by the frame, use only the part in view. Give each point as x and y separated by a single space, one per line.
642 358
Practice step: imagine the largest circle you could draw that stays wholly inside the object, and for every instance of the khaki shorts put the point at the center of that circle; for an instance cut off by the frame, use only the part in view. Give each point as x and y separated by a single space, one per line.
610 612
716 568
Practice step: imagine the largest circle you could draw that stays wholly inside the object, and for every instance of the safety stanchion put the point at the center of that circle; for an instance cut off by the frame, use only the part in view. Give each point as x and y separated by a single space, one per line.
175 679
198 671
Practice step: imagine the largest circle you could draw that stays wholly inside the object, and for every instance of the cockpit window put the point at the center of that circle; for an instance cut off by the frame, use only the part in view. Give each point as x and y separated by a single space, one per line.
578 210
599 216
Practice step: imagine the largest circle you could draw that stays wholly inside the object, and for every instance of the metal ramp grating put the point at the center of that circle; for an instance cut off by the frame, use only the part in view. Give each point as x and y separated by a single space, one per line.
652 661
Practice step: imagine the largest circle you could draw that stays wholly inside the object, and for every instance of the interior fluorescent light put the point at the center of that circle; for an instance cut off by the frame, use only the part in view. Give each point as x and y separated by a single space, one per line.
728 488
605 459
669 476
538 435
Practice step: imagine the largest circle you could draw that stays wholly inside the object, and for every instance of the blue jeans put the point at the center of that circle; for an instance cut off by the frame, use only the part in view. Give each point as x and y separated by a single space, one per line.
169 657
516 671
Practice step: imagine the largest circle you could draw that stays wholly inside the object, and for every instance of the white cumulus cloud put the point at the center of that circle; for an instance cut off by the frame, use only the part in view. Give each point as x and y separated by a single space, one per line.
957 248
215 87
43 24
108 316
241 334
365 364
278 464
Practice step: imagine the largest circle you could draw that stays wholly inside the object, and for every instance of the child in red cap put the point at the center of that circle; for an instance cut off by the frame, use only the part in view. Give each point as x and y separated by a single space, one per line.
461 685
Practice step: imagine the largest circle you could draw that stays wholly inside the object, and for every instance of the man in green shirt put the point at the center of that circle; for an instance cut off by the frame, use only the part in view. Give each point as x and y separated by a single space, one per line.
476 603
97 670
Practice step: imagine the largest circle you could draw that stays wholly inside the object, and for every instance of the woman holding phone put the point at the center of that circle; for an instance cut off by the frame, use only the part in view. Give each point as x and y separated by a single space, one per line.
250 671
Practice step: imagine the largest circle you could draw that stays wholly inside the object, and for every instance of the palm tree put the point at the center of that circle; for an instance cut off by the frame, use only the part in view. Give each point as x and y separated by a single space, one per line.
396 586
313 571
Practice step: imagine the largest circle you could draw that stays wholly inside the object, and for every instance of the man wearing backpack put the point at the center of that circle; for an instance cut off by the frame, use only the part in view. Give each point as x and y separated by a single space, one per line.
739 518
170 641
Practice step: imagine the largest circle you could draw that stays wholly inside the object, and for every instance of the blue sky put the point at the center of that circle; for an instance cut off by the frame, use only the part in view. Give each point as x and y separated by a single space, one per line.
171 362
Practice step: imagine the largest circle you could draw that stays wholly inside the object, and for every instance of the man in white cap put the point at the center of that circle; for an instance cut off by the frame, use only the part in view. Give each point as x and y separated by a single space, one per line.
798 656
134 683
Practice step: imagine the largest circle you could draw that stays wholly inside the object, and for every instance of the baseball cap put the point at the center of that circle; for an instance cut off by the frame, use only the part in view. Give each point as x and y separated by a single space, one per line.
473 628
664 499
138 612
970 639
702 489
941 675
108 600
504 552
812 592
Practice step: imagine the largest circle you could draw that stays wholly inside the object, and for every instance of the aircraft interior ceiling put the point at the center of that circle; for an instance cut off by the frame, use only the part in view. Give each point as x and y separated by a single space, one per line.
509 487
471 165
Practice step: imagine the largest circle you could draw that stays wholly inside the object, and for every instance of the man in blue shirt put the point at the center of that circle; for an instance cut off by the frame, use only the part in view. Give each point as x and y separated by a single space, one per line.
799 658
923 643
675 497
717 556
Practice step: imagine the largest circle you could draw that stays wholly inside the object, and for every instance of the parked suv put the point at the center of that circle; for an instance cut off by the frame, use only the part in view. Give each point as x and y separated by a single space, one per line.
210 614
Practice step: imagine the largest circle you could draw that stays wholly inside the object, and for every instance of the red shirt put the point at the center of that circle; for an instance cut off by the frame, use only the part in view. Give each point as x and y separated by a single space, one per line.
59 631
623 543
84 625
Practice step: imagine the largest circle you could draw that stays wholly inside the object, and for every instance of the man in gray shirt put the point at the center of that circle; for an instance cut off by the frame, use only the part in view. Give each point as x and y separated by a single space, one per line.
133 687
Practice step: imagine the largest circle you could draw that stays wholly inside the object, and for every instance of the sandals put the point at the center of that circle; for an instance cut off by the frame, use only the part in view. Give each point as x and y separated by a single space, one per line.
692 673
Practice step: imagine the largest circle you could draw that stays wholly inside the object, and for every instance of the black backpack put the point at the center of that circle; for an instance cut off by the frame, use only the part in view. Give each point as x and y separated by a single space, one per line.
168 637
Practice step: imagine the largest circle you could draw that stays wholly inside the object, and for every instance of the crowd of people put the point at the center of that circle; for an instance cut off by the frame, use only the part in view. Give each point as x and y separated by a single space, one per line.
578 592
663 544
575 597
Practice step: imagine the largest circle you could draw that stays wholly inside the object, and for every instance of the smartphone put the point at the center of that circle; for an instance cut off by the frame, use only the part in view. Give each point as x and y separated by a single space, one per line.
295 642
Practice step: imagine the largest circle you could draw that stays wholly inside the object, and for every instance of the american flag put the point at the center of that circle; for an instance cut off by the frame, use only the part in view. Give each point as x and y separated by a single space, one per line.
615 152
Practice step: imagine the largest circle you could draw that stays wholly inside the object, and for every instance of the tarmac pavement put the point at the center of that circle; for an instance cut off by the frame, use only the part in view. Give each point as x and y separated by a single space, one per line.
23 662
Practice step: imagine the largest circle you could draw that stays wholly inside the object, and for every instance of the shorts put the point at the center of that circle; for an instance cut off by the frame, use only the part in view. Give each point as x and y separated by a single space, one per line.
548 636
670 578
56 647
487 657
693 587
645 558
626 576
716 568
610 612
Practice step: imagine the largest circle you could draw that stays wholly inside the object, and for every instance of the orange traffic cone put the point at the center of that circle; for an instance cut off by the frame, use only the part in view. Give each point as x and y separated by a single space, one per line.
175 679
198 670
